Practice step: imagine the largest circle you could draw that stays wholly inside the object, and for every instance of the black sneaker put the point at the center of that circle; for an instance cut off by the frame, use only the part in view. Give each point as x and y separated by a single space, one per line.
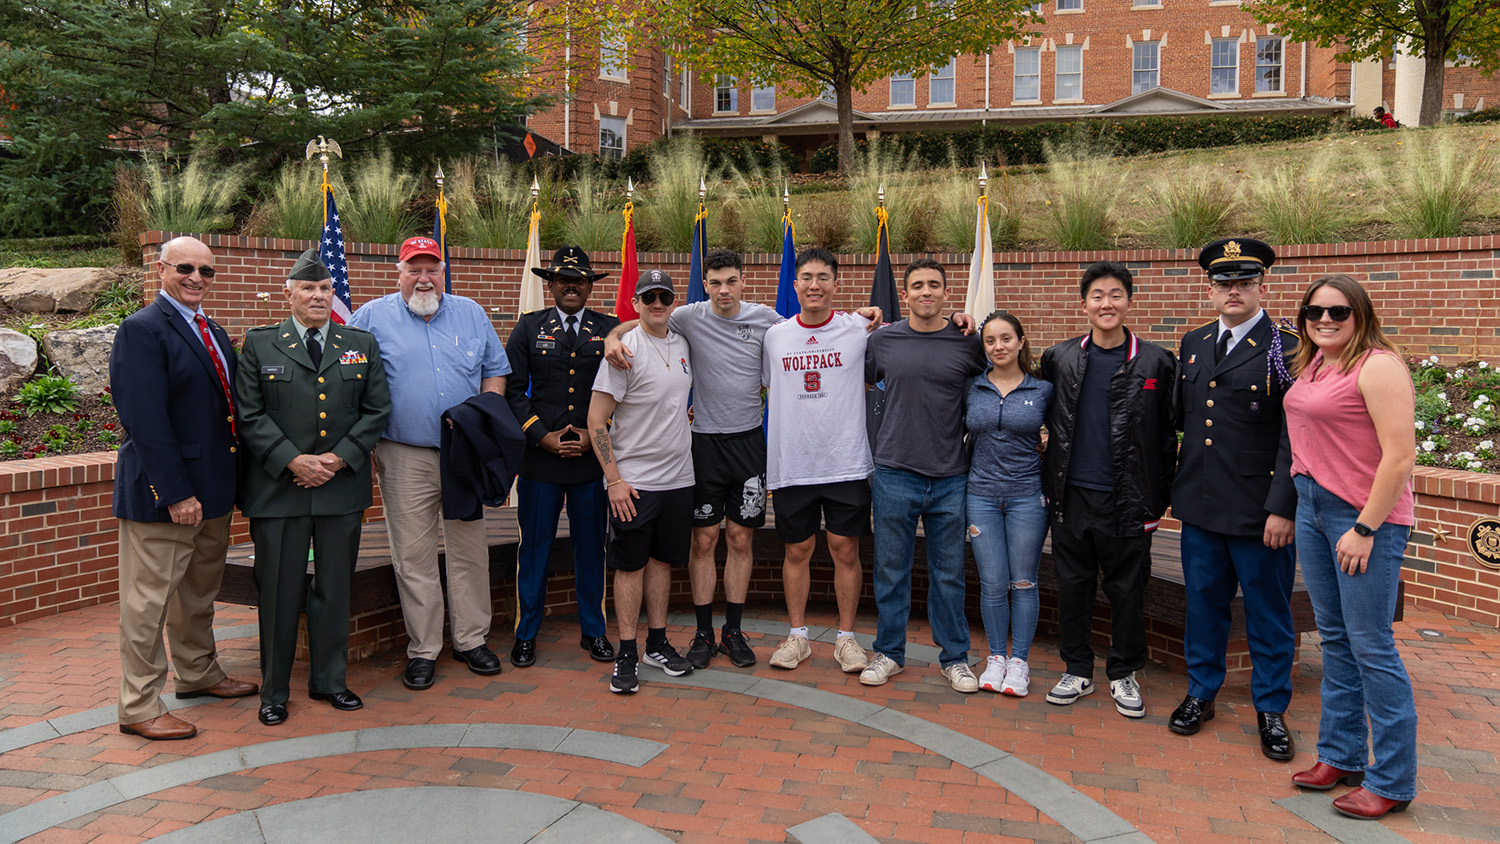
666 657
739 651
624 682
702 650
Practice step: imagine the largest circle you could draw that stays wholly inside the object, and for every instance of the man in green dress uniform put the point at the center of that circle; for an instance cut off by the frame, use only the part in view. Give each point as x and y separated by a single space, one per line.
313 403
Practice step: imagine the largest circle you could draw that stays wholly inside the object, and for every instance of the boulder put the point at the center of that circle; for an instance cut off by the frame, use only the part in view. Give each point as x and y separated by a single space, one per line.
45 291
83 355
17 359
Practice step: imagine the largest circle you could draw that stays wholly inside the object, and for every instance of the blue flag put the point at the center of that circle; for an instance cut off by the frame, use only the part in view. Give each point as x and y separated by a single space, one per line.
440 234
786 292
331 254
696 292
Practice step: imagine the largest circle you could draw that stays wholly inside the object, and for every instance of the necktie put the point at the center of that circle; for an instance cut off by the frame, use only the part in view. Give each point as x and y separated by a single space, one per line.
1222 350
572 330
213 352
314 348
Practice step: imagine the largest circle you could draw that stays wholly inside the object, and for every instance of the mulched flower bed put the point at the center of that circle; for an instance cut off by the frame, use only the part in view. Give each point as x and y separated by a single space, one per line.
92 427
1457 422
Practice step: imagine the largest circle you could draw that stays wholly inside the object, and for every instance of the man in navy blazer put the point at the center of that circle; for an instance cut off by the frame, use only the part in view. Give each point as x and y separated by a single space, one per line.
172 376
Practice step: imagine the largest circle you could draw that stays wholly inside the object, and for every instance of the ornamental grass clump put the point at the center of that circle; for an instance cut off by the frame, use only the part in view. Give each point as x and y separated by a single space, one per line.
377 206
1298 203
489 204
907 199
667 206
758 205
1085 185
192 198
592 220
1439 187
1192 211
292 206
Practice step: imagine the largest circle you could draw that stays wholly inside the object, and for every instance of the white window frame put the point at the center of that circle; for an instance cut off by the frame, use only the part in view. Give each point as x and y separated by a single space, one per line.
1151 68
613 54
1033 79
1069 6
1061 74
760 93
616 126
1279 65
906 83
726 86
936 81
1217 70
684 89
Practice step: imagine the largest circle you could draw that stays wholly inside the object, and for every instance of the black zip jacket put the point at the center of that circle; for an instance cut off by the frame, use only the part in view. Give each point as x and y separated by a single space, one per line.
1143 431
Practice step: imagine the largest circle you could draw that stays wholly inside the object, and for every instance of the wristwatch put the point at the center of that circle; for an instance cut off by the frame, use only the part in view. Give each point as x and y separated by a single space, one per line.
1363 529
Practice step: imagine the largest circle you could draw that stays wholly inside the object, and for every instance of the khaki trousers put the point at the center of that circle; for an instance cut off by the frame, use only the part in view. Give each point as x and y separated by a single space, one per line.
169 578
411 490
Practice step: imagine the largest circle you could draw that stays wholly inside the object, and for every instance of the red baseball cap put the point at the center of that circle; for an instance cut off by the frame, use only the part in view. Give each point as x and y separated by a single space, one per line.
420 246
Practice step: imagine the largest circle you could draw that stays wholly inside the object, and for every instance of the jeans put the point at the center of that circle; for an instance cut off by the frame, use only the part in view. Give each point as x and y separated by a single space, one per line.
1362 673
899 498
1006 533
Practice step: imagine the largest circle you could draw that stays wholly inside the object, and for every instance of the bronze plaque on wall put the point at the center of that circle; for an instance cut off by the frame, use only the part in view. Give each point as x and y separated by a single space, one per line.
1484 541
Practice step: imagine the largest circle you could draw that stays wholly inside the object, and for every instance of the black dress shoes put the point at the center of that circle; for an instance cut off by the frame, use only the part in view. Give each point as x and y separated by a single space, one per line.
272 714
599 648
1187 719
418 674
523 653
345 701
1275 739
481 660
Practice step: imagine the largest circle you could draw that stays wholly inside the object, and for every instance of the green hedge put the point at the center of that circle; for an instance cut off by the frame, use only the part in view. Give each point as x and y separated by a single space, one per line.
743 153
1135 136
1487 115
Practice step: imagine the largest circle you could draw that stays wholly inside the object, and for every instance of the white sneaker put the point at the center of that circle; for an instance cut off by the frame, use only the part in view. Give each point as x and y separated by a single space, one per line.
851 657
1127 695
1069 689
993 677
791 653
1017 678
961 678
880 669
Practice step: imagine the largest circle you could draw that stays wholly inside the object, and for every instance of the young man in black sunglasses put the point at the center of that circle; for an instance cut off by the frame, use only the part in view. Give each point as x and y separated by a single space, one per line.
1234 493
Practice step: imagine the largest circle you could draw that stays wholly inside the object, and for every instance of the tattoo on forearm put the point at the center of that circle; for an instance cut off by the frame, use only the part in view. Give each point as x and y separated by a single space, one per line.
601 446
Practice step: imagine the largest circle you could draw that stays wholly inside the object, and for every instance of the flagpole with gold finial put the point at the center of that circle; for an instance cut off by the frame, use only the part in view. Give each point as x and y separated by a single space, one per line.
322 147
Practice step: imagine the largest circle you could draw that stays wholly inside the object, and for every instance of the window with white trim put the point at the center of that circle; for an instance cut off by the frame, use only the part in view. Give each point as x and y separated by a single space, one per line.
1069 73
940 87
1028 74
1224 66
612 57
684 86
903 90
611 137
1145 66
726 94
763 99
1070 5
1268 56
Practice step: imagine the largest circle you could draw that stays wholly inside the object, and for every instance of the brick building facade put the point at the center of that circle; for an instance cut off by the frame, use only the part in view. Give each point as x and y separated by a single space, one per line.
1092 59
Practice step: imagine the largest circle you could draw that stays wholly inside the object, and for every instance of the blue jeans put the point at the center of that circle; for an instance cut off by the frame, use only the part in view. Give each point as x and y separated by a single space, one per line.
899 498
1362 672
1006 534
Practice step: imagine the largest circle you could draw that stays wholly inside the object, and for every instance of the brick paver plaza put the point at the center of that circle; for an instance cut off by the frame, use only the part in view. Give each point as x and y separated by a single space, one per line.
549 754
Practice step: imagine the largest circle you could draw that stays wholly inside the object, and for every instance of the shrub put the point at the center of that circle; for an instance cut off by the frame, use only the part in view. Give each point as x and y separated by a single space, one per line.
823 222
1085 186
128 204
47 394
376 209
192 198
1296 203
1484 115
1192 211
1440 187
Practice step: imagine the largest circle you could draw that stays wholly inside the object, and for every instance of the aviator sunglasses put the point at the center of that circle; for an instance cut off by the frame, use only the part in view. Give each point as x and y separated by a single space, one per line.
650 297
1337 313
187 269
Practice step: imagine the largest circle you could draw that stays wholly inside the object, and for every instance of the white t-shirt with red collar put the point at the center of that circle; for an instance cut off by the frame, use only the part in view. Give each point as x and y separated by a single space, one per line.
815 379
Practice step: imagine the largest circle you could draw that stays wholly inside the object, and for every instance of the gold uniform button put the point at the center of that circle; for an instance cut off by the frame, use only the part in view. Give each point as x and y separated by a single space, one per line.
570 407
1254 387
322 397
322 415
320 379
231 449
1212 384
272 378
570 389
322 433
1208 442
1210 402
229 419
572 354
1208 422
359 375
572 372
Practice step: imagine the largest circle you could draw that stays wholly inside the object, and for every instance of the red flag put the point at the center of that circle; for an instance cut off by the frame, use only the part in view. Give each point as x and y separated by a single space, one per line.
623 307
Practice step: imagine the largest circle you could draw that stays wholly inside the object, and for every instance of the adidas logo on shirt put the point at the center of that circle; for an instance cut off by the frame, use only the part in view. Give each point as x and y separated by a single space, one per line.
812 340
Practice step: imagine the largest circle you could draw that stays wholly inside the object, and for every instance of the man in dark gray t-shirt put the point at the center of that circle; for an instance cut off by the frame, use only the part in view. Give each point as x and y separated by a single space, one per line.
921 472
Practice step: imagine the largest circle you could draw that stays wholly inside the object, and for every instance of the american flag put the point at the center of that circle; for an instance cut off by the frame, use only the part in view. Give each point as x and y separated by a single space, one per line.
331 254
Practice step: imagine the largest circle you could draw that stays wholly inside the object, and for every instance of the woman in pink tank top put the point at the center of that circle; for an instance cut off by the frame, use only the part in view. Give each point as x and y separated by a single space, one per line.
1350 418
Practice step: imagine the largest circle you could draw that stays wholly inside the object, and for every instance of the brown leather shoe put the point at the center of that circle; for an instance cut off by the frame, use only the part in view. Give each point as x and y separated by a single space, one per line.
225 688
161 728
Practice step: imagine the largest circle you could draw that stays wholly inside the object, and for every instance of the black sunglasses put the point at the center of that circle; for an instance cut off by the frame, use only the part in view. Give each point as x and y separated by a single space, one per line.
1338 313
187 269
650 297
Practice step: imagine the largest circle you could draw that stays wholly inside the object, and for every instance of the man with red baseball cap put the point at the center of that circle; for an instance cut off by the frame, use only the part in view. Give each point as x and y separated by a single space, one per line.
439 350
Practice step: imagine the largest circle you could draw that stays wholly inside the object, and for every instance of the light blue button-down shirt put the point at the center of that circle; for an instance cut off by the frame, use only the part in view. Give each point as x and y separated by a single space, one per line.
431 366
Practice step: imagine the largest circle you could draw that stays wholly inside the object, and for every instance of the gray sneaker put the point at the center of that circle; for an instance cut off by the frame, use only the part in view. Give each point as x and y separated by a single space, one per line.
962 678
1069 689
1127 694
880 669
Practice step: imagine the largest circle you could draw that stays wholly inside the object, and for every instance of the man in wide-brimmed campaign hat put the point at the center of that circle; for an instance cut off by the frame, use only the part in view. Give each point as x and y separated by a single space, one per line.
554 355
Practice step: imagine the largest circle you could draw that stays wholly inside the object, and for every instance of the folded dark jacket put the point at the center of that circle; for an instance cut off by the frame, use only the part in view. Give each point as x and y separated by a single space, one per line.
481 454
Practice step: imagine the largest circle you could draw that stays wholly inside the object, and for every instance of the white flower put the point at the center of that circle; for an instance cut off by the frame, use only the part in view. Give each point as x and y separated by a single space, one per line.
1429 446
1487 444
1484 365
1443 395
264 297
1476 423
1458 373
1475 465
1432 361
1421 426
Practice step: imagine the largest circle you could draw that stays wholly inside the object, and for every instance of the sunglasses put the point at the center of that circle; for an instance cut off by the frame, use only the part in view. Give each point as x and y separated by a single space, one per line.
187 269
1337 313
650 297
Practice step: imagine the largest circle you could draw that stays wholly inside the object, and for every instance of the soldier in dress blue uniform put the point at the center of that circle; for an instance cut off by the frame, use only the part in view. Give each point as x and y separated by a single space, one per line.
554 355
1234 493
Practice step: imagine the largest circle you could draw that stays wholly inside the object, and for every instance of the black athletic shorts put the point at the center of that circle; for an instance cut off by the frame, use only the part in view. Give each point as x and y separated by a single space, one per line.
801 510
731 473
662 530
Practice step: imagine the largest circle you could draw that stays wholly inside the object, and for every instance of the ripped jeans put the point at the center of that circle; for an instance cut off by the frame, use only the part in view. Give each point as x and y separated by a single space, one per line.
1006 534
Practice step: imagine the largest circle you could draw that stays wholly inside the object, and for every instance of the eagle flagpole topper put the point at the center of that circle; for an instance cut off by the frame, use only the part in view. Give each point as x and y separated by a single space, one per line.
331 238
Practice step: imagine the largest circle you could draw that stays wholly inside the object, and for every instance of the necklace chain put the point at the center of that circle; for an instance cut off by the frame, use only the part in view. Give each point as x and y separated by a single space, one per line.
665 364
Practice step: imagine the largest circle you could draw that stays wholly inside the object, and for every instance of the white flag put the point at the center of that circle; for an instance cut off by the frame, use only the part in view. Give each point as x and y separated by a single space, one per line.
980 301
531 283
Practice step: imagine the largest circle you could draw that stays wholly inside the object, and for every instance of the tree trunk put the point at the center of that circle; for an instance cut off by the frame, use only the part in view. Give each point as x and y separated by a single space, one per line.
843 91
1432 87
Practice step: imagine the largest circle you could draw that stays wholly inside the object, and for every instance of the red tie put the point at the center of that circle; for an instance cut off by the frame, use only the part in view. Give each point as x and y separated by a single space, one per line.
213 352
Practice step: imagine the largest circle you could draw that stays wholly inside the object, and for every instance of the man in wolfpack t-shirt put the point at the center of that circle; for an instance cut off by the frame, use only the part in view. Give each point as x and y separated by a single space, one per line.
818 454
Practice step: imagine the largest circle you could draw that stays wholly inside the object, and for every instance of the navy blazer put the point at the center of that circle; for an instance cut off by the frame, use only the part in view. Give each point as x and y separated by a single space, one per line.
178 439
480 455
